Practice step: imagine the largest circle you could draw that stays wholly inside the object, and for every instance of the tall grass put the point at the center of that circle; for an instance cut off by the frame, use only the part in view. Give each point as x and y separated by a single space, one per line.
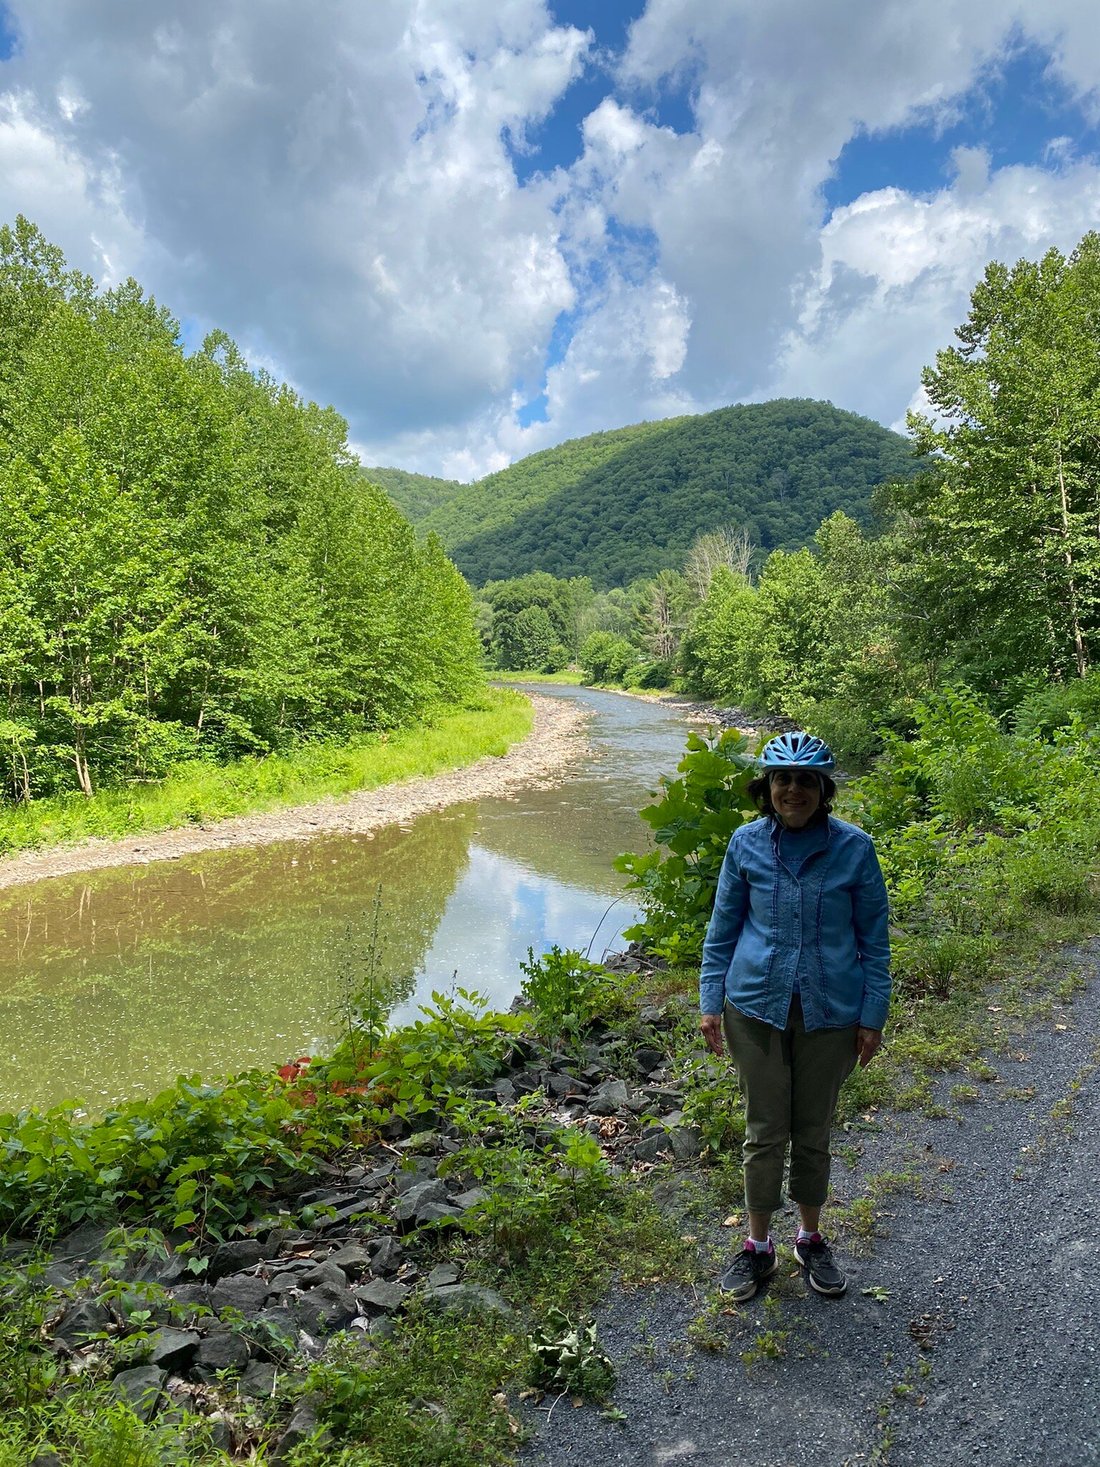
197 792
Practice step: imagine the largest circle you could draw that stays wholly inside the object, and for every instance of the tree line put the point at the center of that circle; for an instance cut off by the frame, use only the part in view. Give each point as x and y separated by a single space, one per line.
623 507
980 571
191 564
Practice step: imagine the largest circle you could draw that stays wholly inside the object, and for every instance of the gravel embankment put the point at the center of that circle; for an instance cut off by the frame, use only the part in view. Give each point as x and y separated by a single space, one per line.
545 755
981 1340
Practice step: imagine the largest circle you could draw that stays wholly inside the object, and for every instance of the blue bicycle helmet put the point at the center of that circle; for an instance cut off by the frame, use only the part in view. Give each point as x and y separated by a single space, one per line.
798 751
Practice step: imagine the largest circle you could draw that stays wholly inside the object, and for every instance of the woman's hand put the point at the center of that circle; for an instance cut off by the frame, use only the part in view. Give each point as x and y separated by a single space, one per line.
867 1044
710 1026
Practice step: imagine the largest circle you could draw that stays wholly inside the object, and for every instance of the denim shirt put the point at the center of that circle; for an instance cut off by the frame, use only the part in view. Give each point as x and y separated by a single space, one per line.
829 924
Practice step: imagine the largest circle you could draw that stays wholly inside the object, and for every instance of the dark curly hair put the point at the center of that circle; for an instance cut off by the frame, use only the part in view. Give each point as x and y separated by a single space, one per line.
759 792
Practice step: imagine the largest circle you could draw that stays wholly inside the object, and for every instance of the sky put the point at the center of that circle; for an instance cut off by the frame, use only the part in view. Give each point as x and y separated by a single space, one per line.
480 227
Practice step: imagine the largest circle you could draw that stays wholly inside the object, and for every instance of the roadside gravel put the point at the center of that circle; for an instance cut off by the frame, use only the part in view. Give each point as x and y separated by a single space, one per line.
555 742
979 1340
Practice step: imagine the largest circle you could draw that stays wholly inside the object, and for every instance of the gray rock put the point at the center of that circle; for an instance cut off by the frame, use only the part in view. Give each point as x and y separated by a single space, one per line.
220 1350
141 1388
650 1147
324 1310
350 1212
385 1295
46 1459
258 1380
415 1176
233 1257
378 1178
85 1244
171 1349
611 1097
413 1204
325 1197
242 1291
468 1299
685 1142
277 1327
304 1426
443 1274
647 1059
324 1273
353 1259
505 1092
437 1212
283 1283
472 1198
221 1433
61 1275
381 1327
191 1296
387 1256
84 1319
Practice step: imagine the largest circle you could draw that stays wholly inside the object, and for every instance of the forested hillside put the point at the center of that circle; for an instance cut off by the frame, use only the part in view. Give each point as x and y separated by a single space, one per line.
415 495
773 469
190 562
500 500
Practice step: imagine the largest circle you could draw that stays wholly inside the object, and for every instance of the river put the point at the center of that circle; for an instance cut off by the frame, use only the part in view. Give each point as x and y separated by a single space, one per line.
115 981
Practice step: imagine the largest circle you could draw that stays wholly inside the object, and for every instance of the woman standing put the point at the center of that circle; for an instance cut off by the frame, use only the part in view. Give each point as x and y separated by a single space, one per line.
796 974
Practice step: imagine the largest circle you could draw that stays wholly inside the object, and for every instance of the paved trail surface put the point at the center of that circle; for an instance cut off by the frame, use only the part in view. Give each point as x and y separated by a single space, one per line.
983 1344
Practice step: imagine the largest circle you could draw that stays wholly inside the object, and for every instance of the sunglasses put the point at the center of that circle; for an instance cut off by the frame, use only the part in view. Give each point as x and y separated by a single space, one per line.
802 779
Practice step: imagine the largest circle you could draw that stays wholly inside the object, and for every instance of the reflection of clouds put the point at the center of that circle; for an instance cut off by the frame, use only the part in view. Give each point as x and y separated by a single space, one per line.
499 909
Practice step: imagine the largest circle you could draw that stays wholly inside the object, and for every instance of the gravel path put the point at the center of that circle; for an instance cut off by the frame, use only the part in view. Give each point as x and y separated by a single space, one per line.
980 1342
554 743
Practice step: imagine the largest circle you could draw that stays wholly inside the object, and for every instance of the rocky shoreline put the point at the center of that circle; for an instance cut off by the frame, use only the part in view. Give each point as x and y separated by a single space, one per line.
263 1307
555 741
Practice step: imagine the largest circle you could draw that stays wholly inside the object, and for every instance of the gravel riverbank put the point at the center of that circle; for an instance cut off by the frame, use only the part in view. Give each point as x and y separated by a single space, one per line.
554 743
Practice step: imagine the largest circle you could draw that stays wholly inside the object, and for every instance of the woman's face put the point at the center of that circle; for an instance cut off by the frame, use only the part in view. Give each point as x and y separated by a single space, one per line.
796 796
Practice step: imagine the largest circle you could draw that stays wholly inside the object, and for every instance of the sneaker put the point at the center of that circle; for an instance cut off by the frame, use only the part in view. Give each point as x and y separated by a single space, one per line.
748 1271
816 1257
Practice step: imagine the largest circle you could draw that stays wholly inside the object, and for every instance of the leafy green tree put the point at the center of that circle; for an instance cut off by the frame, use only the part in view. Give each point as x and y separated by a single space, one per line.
607 658
190 560
1007 524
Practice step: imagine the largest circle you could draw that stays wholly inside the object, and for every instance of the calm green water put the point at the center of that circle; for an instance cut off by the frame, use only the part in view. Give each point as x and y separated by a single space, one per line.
114 982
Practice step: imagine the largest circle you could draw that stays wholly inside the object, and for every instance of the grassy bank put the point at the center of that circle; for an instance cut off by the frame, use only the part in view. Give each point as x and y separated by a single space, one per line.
198 792
569 677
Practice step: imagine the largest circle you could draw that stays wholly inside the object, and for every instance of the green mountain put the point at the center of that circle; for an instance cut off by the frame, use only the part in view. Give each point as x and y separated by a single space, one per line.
415 495
628 503
500 500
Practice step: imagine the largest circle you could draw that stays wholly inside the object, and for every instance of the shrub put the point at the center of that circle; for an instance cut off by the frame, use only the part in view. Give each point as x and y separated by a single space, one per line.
693 820
607 658
567 991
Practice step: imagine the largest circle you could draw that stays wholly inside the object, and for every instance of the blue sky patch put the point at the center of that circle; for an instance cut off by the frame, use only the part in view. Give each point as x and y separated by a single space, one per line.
9 36
1015 111
557 142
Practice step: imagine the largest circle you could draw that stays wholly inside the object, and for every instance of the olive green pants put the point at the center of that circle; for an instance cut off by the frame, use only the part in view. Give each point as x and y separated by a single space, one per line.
790 1081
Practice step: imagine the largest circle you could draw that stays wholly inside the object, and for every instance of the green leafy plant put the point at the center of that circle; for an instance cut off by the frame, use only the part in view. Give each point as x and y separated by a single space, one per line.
566 1357
567 991
692 823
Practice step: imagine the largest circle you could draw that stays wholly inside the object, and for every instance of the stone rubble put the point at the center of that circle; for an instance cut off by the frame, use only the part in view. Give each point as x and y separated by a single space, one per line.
269 1303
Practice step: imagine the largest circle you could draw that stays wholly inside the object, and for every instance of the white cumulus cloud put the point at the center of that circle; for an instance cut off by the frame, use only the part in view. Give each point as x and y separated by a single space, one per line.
337 187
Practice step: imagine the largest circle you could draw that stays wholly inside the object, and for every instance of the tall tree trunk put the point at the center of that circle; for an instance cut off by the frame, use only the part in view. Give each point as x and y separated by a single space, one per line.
83 773
1071 585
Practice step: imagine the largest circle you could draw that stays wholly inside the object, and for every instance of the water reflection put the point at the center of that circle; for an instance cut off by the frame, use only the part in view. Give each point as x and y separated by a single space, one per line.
111 983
